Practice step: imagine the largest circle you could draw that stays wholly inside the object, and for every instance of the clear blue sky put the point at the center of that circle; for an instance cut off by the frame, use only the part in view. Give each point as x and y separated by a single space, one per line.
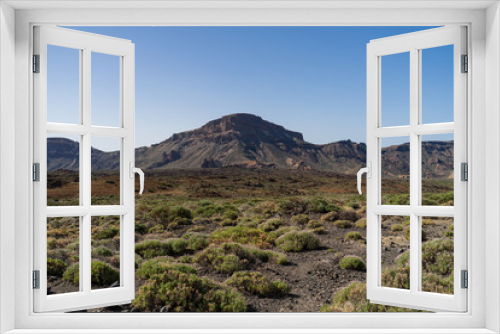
308 79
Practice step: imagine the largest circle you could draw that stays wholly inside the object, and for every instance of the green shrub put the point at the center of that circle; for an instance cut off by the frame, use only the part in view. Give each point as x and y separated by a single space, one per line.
231 257
448 234
102 251
244 235
228 222
292 205
295 241
180 212
437 257
319 230
196 241
257 284
140 228
56 267
230 215
361 223
400 199
160 214
352 262
353 299
353 236
157 229
101 274
320 205
314 224
107 233
342 223
397 228
300 219
153 248
161 265
271 225
282 230
184 292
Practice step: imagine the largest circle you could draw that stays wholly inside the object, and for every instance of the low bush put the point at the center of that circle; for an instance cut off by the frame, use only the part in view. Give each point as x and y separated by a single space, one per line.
396 228
178 291
56 267
231 257
180 212
196 241
157 229
153 248
161 265
255 283
300 219
102 251
107 233
320 205
102 274
244 235
282 230
313 224
140 228
342 223
361 223
271 225
353 299
296 241
352 262
353 236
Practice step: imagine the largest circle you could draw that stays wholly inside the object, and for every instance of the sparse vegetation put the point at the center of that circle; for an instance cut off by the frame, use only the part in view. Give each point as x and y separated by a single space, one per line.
352 262
257 284
295 241
251 230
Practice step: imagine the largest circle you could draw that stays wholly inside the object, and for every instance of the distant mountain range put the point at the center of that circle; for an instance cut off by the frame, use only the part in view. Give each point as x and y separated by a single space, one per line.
248 141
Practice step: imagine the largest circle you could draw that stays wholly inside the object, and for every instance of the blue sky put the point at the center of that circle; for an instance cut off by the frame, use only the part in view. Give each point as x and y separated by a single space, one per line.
308 79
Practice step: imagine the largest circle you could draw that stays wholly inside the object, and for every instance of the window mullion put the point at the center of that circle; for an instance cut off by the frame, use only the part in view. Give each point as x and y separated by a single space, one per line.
86 165
415 166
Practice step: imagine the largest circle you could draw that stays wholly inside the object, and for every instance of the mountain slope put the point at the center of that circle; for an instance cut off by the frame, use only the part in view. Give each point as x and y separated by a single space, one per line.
248 141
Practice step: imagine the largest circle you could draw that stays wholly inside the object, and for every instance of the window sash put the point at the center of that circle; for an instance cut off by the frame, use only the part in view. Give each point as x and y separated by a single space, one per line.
86 297
413 43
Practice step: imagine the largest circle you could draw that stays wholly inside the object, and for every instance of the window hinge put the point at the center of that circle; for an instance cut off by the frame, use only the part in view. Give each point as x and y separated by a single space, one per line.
36 279
464 279
36 172
464 171
36 63
465 64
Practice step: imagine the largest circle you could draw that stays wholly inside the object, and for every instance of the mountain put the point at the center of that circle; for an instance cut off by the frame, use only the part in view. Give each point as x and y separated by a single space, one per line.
248 141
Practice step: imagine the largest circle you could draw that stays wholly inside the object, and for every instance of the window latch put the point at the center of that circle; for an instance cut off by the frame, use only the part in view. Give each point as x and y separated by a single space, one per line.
368 171
139 171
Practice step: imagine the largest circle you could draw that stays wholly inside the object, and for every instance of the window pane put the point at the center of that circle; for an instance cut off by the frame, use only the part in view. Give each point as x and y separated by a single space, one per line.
105 90
105 252
63 254
395 170
437 254
63 85
437 84
437 170
105 186
395 255
63 169
395 89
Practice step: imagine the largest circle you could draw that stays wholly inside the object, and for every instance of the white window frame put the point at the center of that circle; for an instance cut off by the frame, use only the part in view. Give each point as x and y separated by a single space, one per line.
482 19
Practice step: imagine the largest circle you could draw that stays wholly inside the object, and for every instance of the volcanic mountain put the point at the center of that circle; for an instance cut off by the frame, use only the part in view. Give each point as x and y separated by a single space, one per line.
248 141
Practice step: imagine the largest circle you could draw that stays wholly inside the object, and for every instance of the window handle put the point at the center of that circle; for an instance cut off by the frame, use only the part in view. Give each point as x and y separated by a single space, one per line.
368 171
139 171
